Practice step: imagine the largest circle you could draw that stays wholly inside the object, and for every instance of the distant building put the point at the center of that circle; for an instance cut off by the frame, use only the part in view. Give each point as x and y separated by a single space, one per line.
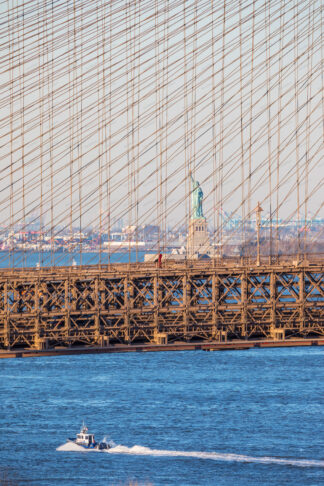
146 232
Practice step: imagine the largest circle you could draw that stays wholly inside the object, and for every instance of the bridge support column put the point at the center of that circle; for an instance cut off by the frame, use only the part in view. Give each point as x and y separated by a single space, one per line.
215 298
97 314
244 325
67 310
156 303
126 311
301 284
7 318
38 342
74 294
156 330
186 304
275 333
74 306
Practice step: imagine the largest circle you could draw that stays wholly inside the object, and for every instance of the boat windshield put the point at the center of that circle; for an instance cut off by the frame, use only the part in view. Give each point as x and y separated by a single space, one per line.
85 436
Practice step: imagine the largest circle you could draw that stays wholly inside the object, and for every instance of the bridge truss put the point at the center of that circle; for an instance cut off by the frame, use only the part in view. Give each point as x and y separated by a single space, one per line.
146 304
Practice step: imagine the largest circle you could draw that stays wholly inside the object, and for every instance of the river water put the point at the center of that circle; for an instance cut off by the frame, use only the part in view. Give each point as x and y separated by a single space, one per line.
252 417
20 259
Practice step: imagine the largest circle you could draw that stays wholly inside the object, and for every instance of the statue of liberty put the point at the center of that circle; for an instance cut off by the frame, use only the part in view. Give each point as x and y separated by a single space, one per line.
196 198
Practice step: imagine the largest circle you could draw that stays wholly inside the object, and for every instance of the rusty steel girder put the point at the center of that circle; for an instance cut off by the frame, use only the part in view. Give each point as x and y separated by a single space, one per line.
142 303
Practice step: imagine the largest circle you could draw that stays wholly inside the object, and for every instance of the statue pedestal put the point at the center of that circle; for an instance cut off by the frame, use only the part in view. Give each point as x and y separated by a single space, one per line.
198 238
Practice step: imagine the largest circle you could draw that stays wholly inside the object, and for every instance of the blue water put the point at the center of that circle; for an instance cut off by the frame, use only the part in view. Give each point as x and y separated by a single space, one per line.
19 259
251 417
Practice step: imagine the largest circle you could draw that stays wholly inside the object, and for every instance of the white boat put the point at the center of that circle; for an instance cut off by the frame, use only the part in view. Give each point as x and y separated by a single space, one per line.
87 440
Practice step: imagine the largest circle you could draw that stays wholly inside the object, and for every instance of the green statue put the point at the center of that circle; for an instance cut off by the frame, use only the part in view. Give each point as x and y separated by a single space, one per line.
196 198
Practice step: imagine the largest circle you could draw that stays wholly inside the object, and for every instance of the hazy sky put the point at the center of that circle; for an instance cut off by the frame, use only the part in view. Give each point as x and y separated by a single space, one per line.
105 107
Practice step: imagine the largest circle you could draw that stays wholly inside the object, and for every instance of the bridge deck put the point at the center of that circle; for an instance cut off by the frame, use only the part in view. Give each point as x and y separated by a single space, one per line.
148 348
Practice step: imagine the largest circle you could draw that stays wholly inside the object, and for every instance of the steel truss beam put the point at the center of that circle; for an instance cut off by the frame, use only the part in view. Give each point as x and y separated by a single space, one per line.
142 303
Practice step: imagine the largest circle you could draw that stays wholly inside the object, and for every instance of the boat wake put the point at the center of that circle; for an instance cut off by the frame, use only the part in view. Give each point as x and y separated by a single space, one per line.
214 456
72 447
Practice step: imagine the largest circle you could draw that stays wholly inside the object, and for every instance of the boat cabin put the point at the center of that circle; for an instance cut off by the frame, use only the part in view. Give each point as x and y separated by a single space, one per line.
84 438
